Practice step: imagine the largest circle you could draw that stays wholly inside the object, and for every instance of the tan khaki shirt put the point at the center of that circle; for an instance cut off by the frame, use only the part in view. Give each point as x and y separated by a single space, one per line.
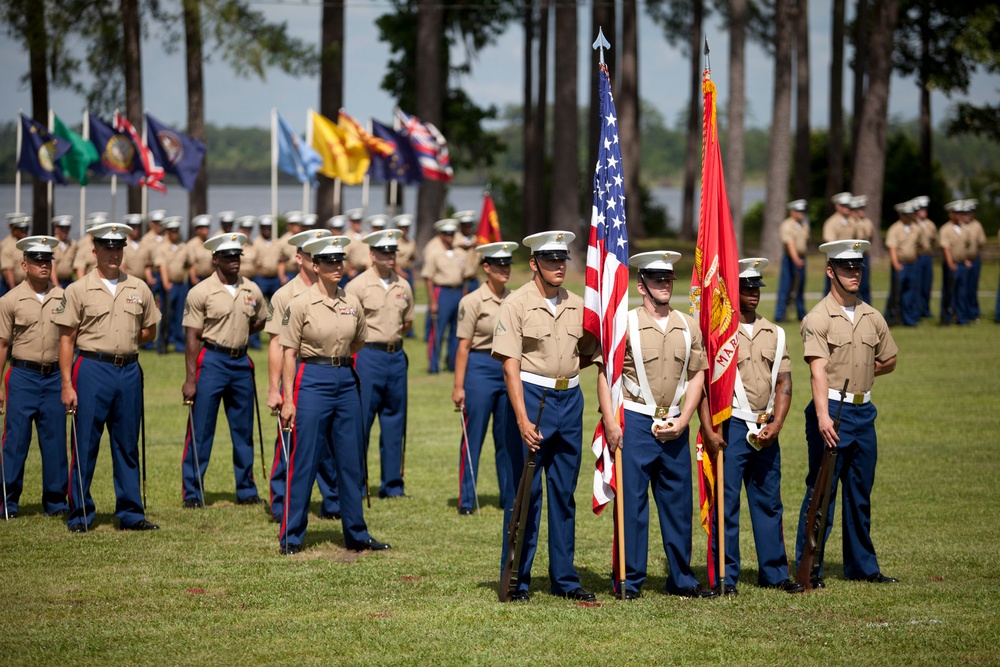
958 240
85 261
443 266
838 228
864 229
105 323
905 238
63 257
200 258
406 253
387 310
795 233
851 348
477 316
268 255
26 323
248 261
314 327
134 260
977 236
663 354
545 343
175 257
358 253
224 319
11 258
756 361
280 301
928 237
286 251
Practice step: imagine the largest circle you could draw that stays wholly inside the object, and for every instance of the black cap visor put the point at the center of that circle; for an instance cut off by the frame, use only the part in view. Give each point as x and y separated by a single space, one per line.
110 243
329 257
232 252
657 274
552 255
498 261
847 263
38 256
755 281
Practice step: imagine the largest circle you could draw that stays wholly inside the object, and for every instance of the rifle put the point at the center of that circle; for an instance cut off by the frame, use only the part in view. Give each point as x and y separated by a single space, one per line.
812 553
518 518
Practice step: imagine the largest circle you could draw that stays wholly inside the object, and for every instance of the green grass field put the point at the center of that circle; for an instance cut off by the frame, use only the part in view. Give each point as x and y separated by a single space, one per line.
210 588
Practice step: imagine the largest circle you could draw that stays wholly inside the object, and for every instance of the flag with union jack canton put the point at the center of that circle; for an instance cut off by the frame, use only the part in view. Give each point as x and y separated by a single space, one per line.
606 297
430 146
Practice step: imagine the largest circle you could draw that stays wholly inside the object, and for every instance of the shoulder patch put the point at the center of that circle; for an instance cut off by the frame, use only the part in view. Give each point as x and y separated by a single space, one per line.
461 313
500 330
187 307
270 311
287 316
61 308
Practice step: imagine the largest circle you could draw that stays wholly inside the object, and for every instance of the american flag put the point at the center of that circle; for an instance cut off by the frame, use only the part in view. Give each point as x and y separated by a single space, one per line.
154 172
430 146
606 297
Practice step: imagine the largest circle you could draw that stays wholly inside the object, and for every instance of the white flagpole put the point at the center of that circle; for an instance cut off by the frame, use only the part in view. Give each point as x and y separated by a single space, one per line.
17 172
48 188
366 181
145 189
114 179
83 188
309 141
274 161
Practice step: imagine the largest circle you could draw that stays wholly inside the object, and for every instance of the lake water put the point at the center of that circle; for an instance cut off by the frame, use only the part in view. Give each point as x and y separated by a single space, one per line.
256 199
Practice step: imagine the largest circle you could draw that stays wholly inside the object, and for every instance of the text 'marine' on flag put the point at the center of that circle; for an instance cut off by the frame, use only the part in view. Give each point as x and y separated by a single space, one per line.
489 222
401 165
715 293
295 158
180 154
82 154
606 297
154 172
429 145
118 154
40 151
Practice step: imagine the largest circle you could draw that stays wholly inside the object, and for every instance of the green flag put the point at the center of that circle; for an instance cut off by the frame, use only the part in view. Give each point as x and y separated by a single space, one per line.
74 164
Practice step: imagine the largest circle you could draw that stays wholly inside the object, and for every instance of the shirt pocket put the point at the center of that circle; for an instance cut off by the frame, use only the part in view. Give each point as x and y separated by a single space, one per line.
869 342
575 334
536 338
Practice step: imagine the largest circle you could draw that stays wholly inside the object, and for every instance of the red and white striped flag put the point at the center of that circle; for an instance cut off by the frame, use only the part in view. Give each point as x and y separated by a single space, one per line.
606 298
429 145
154 172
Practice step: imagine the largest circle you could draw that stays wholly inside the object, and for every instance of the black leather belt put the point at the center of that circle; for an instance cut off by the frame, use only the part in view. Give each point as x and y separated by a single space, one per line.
234 352
458 286
386 347
45 369
116 359
329 361
485 350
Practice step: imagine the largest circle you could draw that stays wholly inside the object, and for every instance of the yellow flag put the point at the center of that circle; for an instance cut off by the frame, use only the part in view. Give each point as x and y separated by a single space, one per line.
344 156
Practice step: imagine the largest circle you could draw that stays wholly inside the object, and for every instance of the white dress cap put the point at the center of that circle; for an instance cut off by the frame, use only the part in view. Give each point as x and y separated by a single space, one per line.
266 220
384 239
750 269
379 220
203 220
157 216
797 205
113 234
403 220
906 207
859 202
63 221
850 250
355 214
554 241
246 221
842 198
294 217
309 220
173 222
302 238
337 222
226 216
328 246
953 206
465 217
501 252
226 243
132 219
921 201
656 260
446 226
41 245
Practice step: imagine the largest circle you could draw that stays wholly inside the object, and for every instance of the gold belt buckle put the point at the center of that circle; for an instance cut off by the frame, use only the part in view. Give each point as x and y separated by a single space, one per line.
858 399
334 361
661 412
562 384
119 360
763 418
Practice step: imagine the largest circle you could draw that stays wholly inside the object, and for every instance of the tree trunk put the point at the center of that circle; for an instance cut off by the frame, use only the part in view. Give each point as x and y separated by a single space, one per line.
735 139
531 173
693 155
869 171
37 50
926 154
780 148
133 82
565 133
627 107
802 181
861 20
835 148
430 105
331 90
603 17
535 209
198 198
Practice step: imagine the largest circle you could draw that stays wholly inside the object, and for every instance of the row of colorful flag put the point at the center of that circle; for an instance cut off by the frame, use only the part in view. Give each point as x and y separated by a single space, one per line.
346 150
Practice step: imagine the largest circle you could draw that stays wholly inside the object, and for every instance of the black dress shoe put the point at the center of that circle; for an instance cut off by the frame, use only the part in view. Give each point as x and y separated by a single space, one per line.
13 515
519 596
56 513
730 590
698 591
252 500
142 524
371 544
580 595
817 582
192 503
330 516
879 578
787 586
466 511
77 528
629 594
290 549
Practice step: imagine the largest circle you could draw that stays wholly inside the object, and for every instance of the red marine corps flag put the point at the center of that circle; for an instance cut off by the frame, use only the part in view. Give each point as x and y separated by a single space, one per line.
715 295
489 222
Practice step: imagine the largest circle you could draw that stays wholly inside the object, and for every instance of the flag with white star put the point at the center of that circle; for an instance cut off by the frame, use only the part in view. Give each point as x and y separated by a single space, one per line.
606 296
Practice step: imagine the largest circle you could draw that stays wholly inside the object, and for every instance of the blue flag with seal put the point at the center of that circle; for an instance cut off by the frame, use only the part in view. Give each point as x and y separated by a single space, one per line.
401 165
180 154
119 156
294 156
40 151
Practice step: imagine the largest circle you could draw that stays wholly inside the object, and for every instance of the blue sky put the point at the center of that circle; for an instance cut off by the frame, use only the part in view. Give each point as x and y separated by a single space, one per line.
495 76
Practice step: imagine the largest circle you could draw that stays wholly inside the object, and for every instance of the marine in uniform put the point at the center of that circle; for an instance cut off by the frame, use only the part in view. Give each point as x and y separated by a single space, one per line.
466 240
977 241
200 264
444 276
358 257
31 390
479 389
664 360
105 315
864 230
219 315
248 264
956 245
839 225
406 255
382 364
845 339
762 396
925 252
133 261
151 243
321 329
64 253
85 259
794 232
269 257
326 478
226 220
540 342
10 256
903 241
172 258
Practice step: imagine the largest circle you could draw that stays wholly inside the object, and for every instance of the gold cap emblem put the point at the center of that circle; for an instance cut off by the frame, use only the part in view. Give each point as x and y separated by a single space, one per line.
756 264
857 244
114 228
233 237
320 233
559 237
506 246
